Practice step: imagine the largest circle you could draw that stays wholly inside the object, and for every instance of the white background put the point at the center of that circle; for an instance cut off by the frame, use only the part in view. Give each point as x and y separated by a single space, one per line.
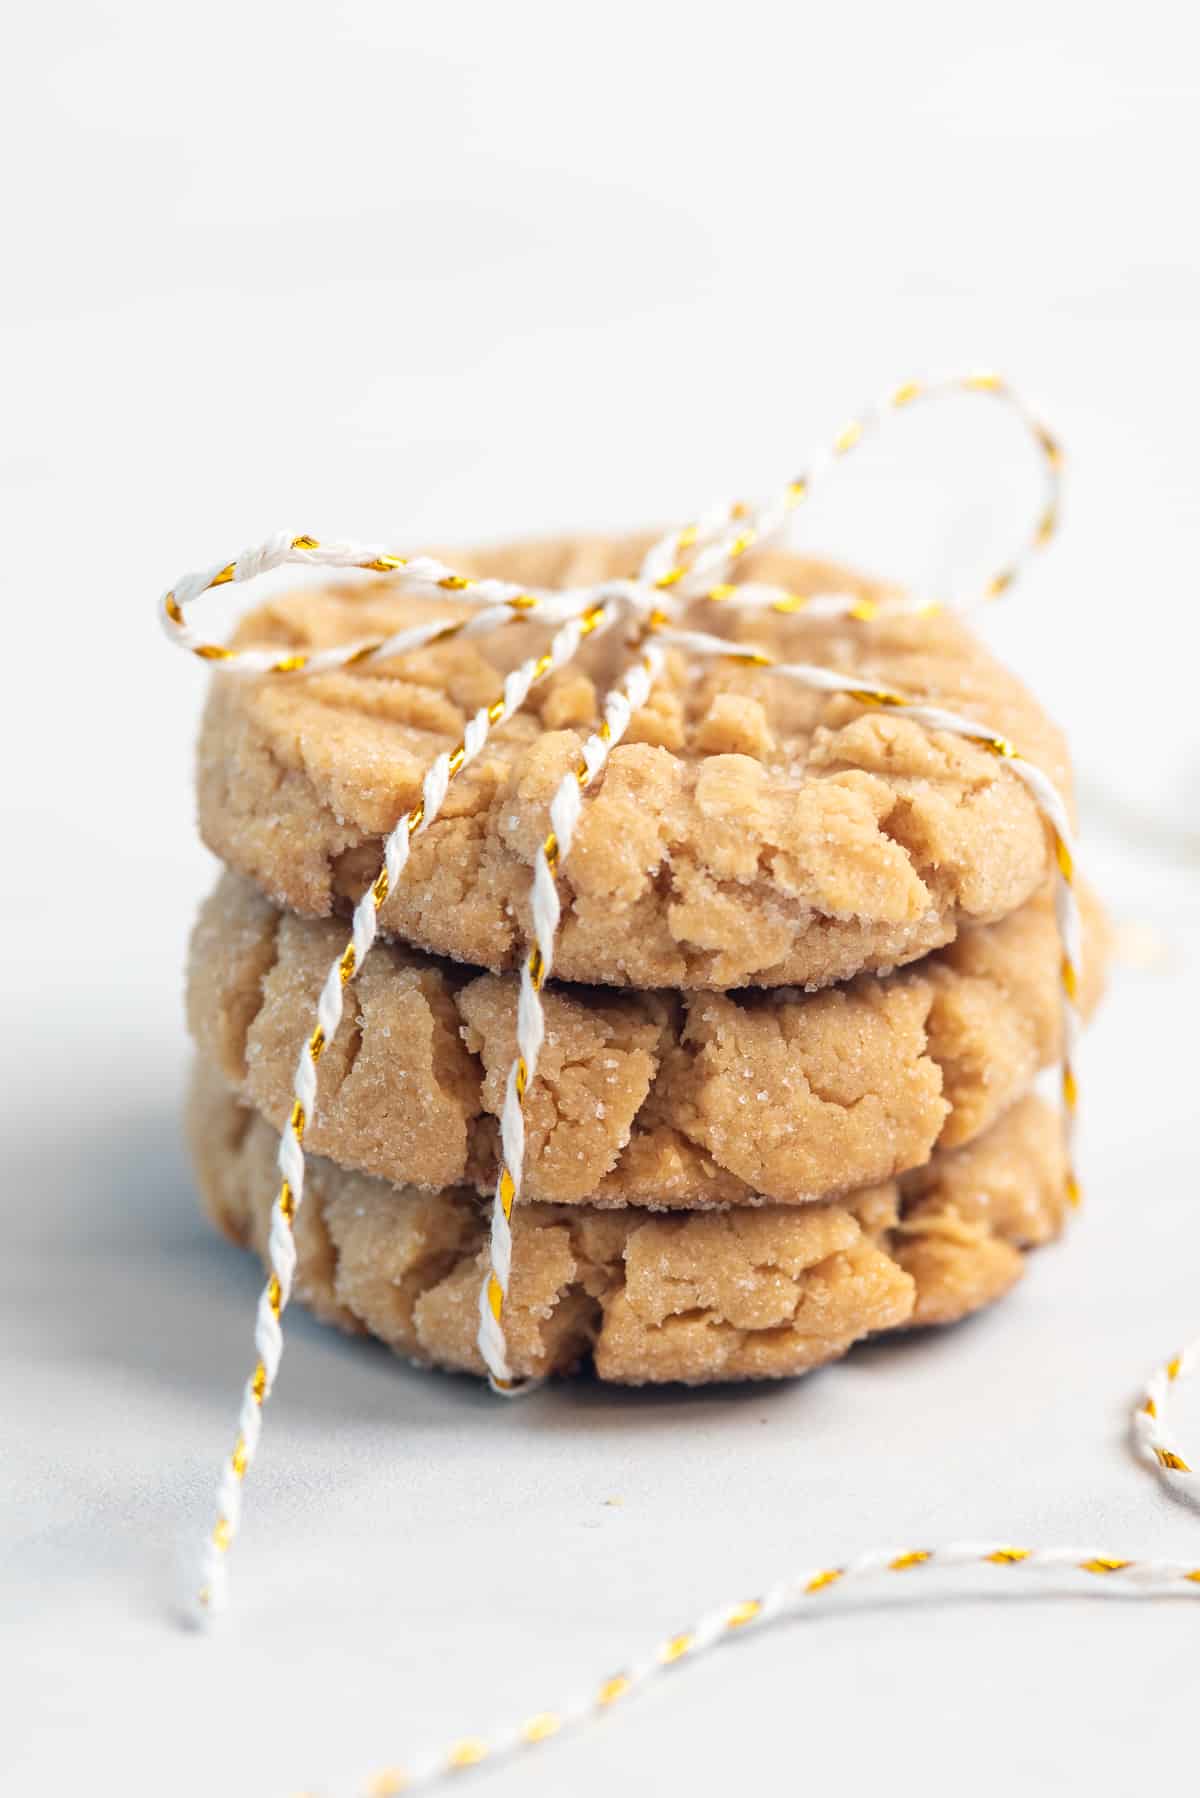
451 272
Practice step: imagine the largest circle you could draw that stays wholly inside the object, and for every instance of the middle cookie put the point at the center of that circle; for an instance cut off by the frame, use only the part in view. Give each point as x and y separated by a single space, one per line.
653 1099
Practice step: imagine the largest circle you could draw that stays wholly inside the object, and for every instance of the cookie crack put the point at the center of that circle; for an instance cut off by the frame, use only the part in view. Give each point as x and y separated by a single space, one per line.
351 1033
249 1015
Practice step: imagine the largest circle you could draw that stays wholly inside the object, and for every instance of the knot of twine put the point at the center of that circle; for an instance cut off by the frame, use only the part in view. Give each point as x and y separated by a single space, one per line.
684 570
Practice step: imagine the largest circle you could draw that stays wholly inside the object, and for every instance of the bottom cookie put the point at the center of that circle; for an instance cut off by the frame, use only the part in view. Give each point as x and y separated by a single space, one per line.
717 1295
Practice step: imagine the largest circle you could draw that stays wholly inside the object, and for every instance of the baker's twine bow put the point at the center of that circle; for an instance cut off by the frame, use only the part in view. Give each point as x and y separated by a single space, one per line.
685 569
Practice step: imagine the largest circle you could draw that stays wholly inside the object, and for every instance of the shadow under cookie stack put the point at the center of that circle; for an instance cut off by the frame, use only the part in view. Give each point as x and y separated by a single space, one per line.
806 976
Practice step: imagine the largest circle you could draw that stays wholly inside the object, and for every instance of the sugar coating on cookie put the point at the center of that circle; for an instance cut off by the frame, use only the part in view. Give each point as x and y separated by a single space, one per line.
734 1294
747 831
642 1098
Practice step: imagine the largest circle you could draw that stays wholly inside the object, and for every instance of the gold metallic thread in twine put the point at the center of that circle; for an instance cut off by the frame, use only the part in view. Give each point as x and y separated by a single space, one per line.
673 568
676 569
261 1380
622 702
790 1599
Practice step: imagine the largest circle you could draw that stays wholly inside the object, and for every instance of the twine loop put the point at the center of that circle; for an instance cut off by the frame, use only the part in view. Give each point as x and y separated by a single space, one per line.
689 568
682 570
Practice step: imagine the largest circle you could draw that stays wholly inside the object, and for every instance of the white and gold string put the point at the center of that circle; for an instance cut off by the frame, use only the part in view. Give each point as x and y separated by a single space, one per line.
687 567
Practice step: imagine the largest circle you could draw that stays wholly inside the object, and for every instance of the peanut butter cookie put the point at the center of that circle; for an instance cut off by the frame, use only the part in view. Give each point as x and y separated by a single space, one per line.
642 1098
746 832
719 1295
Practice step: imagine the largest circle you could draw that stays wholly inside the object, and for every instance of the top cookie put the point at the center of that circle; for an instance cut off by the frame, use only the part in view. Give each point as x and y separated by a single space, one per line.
746 832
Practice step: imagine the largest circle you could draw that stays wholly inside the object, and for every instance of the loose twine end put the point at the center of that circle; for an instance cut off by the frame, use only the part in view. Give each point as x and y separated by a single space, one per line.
685 571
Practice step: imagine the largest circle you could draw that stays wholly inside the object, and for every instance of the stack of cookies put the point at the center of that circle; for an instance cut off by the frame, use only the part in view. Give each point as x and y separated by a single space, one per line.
807 974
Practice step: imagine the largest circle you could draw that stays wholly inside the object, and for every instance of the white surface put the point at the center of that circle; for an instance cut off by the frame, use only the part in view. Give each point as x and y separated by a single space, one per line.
452 272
